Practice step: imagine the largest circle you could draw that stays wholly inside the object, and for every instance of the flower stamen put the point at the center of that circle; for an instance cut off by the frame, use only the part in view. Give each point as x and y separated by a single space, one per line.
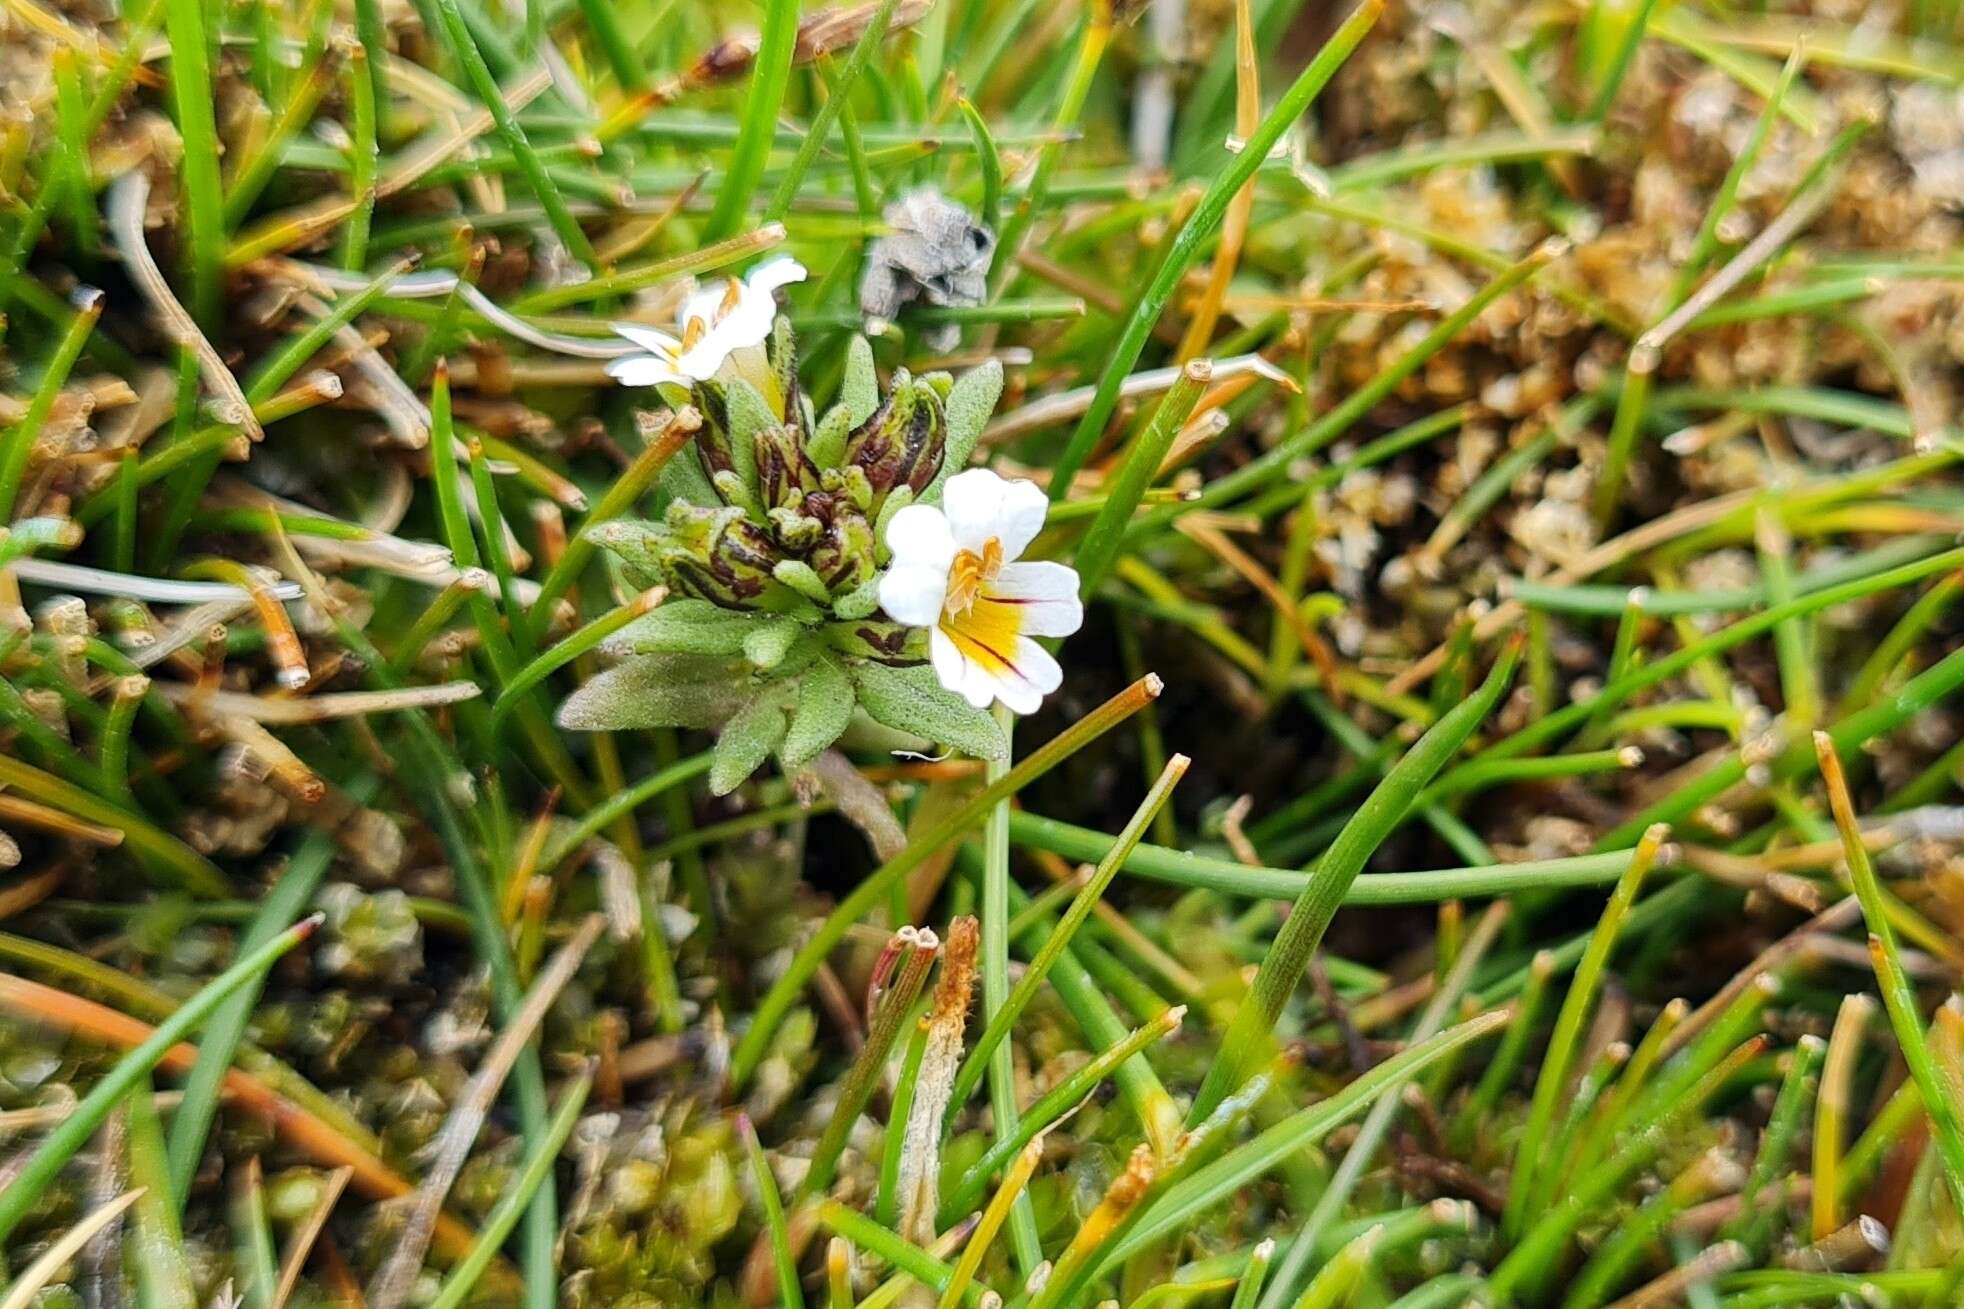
970 573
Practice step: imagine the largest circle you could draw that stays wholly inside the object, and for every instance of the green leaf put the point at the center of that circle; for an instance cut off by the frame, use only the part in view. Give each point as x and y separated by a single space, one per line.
684 478
638 545
828 443
899 500
802 578
858 602
747 740
859 390
657 691
912 700
770 640
685 626
970 402
824 707
748 413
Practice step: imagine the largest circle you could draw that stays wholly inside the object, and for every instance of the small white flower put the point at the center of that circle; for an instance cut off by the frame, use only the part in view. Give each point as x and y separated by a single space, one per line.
955 572
716 322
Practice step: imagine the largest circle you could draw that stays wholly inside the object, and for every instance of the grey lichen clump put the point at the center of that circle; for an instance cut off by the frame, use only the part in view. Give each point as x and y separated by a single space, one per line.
936 254
771 547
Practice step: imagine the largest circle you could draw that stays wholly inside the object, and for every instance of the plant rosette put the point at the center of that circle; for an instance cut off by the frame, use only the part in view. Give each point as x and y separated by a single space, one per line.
828 578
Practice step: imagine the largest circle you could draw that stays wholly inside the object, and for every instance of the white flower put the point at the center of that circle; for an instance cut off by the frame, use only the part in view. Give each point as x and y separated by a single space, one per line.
716 322
955 572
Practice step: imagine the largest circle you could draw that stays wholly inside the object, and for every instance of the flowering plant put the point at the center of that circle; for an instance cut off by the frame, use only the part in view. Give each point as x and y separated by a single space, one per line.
826 573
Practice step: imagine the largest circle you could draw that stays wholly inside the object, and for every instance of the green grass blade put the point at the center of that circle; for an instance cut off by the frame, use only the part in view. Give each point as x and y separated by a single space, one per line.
1248 1041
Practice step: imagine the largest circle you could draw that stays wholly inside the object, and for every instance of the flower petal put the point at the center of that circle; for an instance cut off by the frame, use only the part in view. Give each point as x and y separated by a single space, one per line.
919 537
768 276
981 505
958 673
652 339
644 370
1047 593
706 303
1038 669
914 595
742 329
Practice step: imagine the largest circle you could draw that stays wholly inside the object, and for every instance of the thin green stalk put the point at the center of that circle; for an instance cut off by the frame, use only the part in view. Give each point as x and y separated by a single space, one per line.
194 103
1898 996
608 811
1506 1061
464 48
1248 1040
1619 66
1059 937
1194 235
821 124
769 76
999 1063
1891 650
362 159
154 1255
1552 1081
904 1255
988 159
886 1206
253 1237
790 1294
202 1088
1126 487
532 1174
1232 877
1099 20
17 445
566 651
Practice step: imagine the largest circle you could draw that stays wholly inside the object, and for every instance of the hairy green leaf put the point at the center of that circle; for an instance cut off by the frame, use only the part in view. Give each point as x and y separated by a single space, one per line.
912 700
747 740
859 391
824 707
656 691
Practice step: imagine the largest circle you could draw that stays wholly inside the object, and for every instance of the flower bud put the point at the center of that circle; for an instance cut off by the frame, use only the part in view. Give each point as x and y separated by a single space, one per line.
785 475
713 554
903 443
843 557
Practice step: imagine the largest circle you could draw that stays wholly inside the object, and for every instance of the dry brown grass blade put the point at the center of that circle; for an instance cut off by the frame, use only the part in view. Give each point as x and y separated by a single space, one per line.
315 708
15 809
129 195
1234 227
304 1236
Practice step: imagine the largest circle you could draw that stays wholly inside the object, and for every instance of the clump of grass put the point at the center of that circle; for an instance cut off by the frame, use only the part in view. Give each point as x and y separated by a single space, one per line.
1510 756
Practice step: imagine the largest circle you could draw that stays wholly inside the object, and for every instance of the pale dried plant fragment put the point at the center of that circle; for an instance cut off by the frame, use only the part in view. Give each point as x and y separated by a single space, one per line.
920 1152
